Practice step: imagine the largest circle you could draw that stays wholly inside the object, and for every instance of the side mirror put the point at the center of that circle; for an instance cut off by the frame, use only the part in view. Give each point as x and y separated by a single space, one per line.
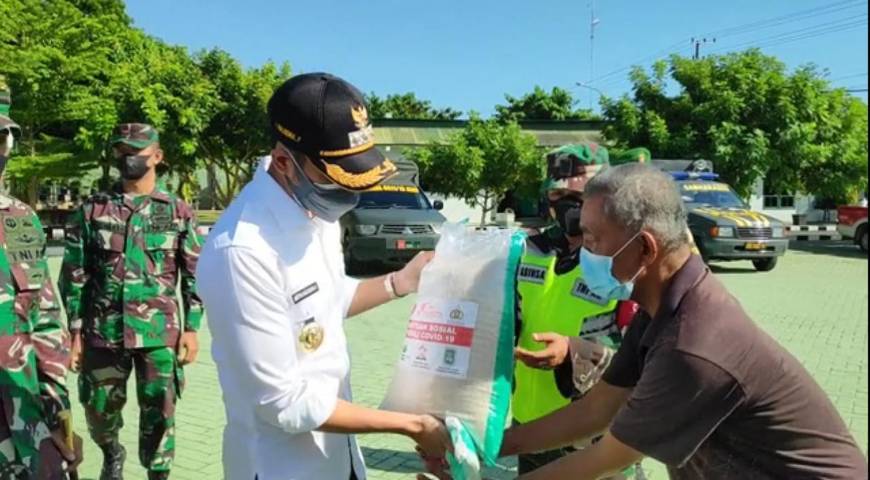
438 205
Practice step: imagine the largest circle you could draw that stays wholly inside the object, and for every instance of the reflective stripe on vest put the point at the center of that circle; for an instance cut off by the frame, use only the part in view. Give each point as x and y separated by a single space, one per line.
550 303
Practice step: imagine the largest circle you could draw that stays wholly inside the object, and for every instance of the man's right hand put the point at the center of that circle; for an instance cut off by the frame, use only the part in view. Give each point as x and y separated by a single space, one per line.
553 355
72 456
75 355
432 438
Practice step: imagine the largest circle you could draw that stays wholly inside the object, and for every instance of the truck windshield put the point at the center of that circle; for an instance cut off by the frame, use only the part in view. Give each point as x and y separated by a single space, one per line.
711 194
413 201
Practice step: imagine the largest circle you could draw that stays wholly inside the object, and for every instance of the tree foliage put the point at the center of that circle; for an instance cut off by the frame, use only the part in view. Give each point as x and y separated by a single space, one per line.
482 162
752 117
77 68
557 104
56 60
236 135
407 107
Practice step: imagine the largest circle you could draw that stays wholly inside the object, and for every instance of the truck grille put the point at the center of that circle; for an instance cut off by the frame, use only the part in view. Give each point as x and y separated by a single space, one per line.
404 229
755 232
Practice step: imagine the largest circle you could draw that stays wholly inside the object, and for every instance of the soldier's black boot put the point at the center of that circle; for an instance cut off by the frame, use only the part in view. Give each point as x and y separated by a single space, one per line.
154 475
114 455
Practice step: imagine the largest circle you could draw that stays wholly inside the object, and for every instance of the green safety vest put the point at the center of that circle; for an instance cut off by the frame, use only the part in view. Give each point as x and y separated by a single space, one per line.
550 303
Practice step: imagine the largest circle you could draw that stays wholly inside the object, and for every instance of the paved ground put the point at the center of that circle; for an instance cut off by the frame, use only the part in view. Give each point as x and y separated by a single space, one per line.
815 303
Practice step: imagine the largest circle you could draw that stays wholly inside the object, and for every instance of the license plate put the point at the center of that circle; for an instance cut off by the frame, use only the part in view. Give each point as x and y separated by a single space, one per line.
754 246
405 245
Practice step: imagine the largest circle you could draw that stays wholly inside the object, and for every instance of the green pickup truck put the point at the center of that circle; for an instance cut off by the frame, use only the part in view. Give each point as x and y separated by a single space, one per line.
391 223
722 224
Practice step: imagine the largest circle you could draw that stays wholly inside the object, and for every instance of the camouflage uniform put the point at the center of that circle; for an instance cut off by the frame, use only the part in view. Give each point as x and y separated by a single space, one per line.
34 344
123 259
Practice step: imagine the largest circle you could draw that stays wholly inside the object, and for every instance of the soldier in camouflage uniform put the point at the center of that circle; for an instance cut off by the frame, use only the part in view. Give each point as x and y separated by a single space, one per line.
126 249
34 343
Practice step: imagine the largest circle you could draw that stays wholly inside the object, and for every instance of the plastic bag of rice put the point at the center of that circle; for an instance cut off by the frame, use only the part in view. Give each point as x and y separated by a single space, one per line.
457 360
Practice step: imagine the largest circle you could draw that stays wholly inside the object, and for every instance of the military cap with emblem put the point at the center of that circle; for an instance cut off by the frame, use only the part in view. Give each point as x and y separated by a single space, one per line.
326 118
6 122
572 166
136 135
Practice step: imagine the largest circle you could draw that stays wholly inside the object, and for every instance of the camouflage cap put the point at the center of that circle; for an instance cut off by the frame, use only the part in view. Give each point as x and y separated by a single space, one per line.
571 166
6 122
136 135
639 155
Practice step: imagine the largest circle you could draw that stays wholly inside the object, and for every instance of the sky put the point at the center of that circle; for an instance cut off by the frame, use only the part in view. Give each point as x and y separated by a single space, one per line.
468 54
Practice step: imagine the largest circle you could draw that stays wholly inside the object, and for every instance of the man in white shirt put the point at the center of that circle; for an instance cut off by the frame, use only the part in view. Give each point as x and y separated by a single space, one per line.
272 278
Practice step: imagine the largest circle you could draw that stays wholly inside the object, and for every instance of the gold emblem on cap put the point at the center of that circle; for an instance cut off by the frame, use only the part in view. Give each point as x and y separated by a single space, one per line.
311 336
360 180
360 116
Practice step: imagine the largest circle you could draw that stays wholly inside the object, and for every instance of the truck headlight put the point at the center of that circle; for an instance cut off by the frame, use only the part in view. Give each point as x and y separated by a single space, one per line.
366 229
778 232
436 228
725 232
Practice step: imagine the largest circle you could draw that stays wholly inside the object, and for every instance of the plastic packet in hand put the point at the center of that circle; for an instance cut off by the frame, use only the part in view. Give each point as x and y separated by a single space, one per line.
457 360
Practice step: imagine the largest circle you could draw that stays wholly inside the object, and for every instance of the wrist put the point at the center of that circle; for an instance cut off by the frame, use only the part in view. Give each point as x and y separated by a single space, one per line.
510 443
413 426
399 284
395 286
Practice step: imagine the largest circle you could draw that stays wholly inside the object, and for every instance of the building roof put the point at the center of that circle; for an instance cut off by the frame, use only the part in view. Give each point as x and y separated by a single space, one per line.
550 133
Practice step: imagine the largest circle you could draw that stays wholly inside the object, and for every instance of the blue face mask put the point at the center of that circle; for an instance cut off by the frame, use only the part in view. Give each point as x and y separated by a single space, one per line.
598 274
328 202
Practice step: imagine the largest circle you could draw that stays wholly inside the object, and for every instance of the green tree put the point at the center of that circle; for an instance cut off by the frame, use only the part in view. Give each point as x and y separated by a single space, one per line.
558 104
236 135
160 84
752 117
77 68
407 107
482 162
57 59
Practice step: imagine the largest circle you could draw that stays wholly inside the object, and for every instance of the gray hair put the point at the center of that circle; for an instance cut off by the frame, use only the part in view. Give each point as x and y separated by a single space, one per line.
639 197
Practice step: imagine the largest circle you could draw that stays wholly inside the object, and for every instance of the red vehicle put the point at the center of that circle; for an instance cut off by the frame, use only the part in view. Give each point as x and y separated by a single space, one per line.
852 223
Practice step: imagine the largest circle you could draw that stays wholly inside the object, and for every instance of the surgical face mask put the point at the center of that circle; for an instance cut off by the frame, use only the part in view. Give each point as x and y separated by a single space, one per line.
133 167
598 274
327 201
6 150
567 213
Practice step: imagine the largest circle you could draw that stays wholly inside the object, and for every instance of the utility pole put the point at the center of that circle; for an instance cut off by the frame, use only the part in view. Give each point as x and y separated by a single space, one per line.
593 22
697 42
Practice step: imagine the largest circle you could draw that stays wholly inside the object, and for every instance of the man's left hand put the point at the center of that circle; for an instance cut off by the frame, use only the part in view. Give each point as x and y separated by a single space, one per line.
407 280
188 348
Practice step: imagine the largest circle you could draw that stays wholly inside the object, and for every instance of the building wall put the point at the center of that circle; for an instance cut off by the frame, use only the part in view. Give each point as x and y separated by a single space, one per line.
803 204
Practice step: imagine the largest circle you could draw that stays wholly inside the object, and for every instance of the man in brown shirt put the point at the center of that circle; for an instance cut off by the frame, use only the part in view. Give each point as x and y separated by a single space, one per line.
696 384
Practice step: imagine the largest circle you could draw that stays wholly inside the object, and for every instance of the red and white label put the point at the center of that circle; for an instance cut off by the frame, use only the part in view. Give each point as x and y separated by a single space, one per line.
439 337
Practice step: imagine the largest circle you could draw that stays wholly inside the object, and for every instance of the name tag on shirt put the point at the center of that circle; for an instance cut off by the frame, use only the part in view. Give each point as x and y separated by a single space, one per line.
305 293
532 273
581 290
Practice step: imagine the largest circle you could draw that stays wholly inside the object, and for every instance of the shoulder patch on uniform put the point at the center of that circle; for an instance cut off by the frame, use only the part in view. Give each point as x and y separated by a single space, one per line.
305 293
581 290
532 273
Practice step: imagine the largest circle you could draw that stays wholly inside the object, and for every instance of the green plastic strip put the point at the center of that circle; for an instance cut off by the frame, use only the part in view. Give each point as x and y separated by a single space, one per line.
504 360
